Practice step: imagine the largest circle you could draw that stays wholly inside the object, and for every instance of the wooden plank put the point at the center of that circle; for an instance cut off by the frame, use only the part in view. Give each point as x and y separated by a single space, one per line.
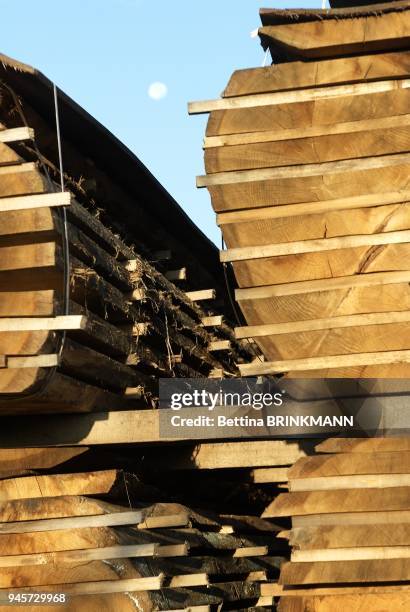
328 38
203 294
189 580
291 134
313 246
173 520
352 536
37 361
365 445
251 551
262 475
175 275
9 324
312 208
16 134
301 74
214 321
319 363
219 345
113 519
301 95
278 590
80 556
253 331
351 554
376 517
389 570
370 279
302 171
87 483
152 583
322 502
354 602
344 464
37 458
34 201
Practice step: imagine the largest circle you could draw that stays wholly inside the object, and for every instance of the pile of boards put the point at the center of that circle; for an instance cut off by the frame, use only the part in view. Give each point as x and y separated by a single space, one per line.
108 541
307 166
89 317
350 535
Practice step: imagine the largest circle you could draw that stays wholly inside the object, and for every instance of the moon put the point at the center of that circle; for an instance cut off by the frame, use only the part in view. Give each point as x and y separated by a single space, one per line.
157 90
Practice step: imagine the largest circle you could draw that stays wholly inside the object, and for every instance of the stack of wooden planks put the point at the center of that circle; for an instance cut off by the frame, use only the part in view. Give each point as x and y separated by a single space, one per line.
307 166
350 509
109 541
89 317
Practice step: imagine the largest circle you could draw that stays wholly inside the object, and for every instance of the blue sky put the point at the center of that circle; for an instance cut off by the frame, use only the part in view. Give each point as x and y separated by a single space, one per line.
106 53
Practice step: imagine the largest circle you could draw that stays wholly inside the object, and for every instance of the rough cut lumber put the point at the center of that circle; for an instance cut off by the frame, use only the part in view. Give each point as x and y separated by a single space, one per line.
308 150
189 580
203 294
351 554
252 331
319 363
11 324
219 345
362 481
312 208
213 321
251 551
308 132
76 522
16 134
37 458
344 464
87 483
302 95
299 75
80 556
279 590
34 201
322 502
353 536
390 570
262 475
366 445
329 38
101 586
38 361
302 171
377 517
330 284
314 246
374 602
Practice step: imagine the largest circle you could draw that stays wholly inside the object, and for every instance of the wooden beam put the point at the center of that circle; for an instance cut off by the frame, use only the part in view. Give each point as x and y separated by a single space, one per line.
251 551
113 519
373 462
351 554
376 517
312 208
354 536
364 445
176 275
361 481
319 363
37 361
18 324
262 475
347 127
383 318
16 134
314 246
301 95
302 171
214 321
34 201
373 570
328 284
80 556
189 580
99 587
305 503
278 590
219 345
37 458
203 294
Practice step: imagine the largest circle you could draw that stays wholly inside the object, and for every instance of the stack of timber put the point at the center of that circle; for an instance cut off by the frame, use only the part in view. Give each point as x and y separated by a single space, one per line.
307 166
90 315
350 535
109 541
